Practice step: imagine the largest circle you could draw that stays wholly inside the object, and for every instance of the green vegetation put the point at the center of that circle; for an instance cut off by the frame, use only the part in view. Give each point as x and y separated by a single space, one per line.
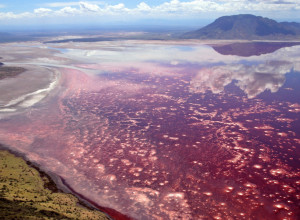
23 194
8 72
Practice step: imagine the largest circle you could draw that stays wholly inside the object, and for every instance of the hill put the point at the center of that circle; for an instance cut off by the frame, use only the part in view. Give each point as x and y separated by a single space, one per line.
247 27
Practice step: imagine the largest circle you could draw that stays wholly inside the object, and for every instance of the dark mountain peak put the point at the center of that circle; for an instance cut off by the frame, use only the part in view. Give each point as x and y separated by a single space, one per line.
246 26
231 20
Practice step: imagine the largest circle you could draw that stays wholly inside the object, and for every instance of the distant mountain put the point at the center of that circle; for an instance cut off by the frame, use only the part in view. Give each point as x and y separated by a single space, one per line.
8 37
247 27
4 37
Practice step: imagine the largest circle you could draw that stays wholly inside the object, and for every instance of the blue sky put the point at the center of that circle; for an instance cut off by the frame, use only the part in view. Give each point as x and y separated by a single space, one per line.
44 12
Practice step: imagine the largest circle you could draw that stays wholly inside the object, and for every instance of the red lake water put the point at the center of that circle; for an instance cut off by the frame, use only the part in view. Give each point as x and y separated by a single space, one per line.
170 131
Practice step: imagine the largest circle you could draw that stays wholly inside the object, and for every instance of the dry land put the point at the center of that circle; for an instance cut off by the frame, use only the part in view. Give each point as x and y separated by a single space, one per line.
25 194
8 72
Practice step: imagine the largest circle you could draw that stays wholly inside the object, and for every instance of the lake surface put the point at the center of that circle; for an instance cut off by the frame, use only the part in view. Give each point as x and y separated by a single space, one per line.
158 130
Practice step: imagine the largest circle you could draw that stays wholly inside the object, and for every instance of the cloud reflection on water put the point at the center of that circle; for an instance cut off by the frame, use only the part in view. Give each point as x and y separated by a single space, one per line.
213 71
252 79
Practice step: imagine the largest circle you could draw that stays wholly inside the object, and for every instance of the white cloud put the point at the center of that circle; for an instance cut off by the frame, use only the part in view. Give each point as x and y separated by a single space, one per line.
196 6
11 15
68 11
117 7
143 7
89 7
168 8
42 11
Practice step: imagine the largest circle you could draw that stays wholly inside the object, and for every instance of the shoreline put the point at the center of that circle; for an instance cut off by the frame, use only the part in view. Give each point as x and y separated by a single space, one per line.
111 212
27 100
58 184
55 183
21 96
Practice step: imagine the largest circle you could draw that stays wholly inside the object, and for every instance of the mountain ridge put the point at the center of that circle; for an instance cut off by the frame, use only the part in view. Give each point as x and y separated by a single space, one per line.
246 27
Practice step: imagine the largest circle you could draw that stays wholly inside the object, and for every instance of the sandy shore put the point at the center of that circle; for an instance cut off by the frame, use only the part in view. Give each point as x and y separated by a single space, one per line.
27 89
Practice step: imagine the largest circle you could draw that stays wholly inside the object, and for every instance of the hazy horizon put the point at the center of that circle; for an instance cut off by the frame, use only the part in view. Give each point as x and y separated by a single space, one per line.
134 15
145 25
